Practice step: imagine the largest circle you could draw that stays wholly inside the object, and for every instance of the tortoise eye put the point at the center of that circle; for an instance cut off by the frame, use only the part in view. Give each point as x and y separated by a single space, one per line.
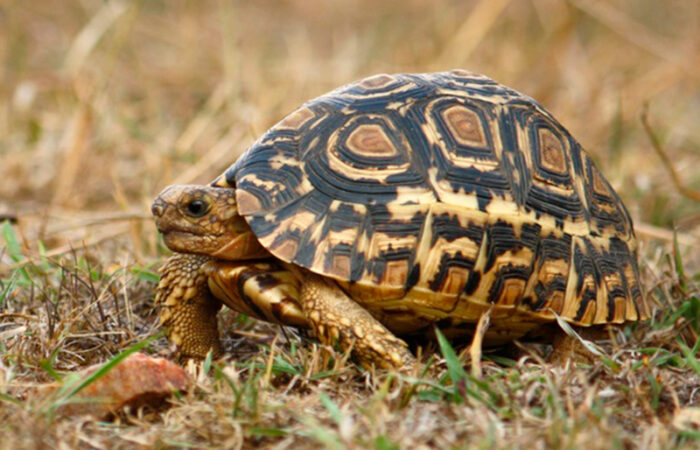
197 207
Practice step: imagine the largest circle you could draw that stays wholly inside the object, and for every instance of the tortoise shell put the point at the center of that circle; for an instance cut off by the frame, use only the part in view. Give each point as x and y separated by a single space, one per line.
446 188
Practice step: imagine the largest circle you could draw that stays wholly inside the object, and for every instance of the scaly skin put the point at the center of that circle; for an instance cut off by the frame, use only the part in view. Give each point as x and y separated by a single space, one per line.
195 281
336 318
188 310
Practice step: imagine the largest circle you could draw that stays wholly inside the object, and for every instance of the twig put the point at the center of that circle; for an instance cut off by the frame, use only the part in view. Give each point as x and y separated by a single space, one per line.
631 30
270 361
663 234
216 100
101 219
90 35
74 147
475 349
66 249
18 316
222 151
656 143
251 334
472 32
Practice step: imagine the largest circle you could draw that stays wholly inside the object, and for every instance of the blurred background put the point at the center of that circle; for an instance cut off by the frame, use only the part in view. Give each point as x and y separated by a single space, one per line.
103 103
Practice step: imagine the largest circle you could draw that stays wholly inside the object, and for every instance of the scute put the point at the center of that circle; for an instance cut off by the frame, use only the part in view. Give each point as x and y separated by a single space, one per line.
445 183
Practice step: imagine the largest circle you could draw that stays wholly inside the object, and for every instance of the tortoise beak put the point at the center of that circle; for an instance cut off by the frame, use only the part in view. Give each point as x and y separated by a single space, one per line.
167 197
160 210
158 207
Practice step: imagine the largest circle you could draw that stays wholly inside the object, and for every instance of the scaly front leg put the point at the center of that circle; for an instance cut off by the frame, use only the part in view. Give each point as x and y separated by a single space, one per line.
336 318
187 308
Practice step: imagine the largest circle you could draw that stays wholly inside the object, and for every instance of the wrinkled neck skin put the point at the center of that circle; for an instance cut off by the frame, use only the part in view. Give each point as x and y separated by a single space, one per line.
204 220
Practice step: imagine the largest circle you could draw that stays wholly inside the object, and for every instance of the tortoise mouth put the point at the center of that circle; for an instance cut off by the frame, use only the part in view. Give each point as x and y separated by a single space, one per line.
167 226
179 234
226 247
182 241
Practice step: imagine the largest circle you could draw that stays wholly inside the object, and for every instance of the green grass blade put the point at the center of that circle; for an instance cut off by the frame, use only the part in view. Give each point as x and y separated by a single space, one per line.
282 366
8 289
382 442
320 433
267 432
678 260
689 354
454 366
331 407
10 399
324 374
48 368
145 275
14 250
206 366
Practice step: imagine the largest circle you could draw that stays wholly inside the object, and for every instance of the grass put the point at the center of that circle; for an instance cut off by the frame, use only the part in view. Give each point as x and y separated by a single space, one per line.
104 103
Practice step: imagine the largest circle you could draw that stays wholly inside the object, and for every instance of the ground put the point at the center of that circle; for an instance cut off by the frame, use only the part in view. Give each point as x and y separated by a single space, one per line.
102 104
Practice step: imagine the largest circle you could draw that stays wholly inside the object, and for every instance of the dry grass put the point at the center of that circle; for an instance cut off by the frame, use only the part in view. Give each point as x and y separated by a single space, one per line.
104 103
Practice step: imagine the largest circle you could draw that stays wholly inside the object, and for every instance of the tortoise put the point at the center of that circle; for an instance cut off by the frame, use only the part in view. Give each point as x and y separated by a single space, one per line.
394 205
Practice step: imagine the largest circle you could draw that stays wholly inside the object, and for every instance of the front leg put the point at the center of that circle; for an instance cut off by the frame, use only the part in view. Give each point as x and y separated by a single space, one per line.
263 290
187 308
192 289
336 318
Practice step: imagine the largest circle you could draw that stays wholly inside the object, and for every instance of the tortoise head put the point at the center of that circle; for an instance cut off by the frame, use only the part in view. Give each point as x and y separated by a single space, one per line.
204 220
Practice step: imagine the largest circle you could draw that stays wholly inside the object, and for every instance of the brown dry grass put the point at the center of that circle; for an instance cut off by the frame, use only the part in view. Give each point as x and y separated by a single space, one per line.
104 103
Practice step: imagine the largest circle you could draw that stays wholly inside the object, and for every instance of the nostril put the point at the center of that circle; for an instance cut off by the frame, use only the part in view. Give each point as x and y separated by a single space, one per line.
157 208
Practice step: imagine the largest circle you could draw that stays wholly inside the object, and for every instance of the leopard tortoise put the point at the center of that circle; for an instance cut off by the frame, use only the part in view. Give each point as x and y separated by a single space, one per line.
396 204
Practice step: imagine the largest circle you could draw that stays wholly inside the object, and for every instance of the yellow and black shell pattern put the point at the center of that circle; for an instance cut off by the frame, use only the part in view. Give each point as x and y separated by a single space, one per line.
446 188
